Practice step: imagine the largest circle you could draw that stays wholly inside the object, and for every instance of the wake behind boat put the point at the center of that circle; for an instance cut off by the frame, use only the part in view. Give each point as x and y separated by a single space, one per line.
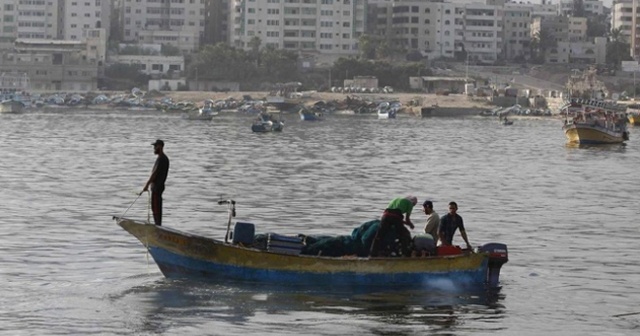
281 260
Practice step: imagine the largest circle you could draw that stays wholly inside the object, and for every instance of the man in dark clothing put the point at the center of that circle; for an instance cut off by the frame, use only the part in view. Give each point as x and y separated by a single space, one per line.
449 223
156 180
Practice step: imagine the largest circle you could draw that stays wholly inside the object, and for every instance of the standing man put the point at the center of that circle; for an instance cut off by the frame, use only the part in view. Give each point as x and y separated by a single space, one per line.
156 181
394 218
433 221
449 223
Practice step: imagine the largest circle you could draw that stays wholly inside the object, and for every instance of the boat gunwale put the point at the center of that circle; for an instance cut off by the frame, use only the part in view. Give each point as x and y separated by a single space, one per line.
340 262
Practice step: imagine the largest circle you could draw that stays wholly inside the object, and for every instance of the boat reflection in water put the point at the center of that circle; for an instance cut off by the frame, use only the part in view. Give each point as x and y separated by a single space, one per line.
233 303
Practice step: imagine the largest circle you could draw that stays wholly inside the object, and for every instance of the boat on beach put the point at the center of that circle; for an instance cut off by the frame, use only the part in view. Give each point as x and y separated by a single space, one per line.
183 255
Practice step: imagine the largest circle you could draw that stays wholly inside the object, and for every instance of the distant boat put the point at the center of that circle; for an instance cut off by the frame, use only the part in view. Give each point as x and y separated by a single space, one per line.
11 106
593 121
267 123
310 115
206 112
633 114
388 110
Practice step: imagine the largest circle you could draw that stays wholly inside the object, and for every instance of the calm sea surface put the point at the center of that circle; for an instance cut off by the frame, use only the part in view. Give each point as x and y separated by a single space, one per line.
569 216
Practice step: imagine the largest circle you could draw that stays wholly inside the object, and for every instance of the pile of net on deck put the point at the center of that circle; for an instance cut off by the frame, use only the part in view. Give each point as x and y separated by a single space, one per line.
358 243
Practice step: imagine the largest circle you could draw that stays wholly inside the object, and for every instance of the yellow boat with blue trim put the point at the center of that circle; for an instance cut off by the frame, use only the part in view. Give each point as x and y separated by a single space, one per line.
633 114
592 121
179 254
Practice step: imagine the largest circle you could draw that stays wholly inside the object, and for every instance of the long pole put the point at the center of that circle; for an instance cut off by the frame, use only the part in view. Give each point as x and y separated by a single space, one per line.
634 84
467 75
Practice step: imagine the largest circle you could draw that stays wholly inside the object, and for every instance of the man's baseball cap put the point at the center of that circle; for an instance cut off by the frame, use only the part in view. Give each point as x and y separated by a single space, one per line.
158 143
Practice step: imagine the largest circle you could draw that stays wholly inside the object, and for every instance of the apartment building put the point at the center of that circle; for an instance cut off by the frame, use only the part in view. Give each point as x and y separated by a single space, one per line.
38 19
80 15
517 30
557 26
49 19
482 30
216 21
544 9
412 25
324 29
577 30
151 64
180 23
622 18
586 52
52 65
590 7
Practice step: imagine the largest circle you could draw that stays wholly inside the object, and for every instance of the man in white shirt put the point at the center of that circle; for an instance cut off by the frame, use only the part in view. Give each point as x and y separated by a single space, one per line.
433 221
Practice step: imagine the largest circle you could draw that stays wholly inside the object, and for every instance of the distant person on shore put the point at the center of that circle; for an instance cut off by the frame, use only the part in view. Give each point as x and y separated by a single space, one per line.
449 223
156 181
394 218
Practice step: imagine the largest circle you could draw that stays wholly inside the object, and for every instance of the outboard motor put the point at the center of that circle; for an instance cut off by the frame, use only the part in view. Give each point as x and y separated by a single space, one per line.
498 256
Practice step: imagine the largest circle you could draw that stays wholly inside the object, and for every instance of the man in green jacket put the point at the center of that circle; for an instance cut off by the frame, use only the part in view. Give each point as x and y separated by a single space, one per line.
394 218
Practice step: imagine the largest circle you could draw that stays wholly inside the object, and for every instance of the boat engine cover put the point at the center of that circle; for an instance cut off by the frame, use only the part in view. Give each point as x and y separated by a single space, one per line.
497 252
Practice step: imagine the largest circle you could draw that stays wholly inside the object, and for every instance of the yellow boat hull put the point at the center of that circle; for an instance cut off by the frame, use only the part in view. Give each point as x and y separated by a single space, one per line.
586 134
634 119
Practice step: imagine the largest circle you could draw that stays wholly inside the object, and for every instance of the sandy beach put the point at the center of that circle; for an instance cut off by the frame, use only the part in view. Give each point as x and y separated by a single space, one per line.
454 100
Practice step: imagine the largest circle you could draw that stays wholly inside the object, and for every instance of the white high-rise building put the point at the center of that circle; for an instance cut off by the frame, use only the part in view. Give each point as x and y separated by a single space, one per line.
179 23
622 18
81 15
412 25
49 19
323 28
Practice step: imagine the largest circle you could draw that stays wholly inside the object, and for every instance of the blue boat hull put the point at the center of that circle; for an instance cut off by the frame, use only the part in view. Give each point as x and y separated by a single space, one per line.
173 265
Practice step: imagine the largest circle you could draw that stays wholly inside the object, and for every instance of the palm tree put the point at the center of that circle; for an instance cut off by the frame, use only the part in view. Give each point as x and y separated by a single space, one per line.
618 49
542 41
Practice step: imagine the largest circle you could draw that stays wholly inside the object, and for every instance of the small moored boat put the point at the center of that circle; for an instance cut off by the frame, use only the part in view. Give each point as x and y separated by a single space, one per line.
307 115
206 112
179 254
266 122
11 106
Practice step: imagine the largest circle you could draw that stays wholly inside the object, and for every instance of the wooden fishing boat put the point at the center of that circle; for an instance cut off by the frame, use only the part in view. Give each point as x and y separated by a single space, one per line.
633 114
593 121
180 254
